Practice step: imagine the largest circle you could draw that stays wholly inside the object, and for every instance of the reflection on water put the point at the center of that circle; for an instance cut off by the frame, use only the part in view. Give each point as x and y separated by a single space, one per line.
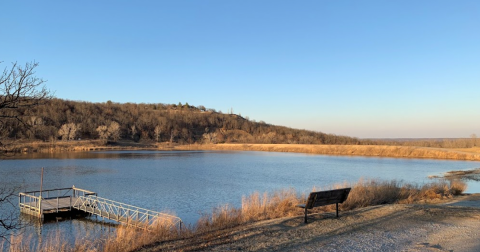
189 183
100 155
474 177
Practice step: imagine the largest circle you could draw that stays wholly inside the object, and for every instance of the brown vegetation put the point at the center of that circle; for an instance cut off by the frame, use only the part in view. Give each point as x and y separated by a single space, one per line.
345 150
67 120
254 208
348 150
58 124
465 143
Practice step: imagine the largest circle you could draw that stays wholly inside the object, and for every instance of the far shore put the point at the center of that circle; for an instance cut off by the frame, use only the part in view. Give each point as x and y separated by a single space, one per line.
470 154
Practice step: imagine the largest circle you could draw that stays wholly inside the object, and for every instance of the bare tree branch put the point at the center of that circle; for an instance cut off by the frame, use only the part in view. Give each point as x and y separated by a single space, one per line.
8 216
19 89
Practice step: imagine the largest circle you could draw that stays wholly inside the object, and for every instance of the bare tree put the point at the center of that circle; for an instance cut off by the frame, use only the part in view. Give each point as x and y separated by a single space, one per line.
8 217
157 132
19 89
103 132
134 131
64 131
114 131
68 131
173 134
210 138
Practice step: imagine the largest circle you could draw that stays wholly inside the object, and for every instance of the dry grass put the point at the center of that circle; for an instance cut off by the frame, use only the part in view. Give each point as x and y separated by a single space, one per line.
53 243
255 207
347 150
457 187
81 146
364 193
475 150
373 192
472 154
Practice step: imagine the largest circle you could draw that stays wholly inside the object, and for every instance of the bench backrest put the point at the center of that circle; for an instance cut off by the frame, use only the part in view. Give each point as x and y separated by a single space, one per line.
323 198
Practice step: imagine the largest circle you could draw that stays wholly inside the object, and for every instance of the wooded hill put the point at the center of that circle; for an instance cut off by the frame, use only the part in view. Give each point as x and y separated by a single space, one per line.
59 119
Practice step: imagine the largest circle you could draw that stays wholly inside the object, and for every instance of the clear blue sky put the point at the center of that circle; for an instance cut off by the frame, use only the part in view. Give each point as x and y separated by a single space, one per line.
357 68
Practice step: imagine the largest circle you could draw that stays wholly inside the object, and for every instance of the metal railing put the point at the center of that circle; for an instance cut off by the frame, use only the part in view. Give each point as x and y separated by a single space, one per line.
126 214
47 201
81 192
29 204
52 193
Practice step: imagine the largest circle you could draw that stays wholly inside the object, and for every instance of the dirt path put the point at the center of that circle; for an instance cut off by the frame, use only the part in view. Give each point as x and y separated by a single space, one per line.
450 226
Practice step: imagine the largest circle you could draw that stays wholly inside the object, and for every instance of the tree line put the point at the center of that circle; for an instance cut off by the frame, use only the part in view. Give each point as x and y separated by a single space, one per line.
58 119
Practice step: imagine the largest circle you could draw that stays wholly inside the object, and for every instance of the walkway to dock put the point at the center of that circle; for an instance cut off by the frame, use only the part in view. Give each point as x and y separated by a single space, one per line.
64 200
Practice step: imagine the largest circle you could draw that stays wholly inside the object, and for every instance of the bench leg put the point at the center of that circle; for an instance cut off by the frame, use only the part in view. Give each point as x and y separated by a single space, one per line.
306 211
337 209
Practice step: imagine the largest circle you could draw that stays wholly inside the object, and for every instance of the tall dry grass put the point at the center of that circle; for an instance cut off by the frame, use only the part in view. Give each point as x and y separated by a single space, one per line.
346 150
373 192
255 207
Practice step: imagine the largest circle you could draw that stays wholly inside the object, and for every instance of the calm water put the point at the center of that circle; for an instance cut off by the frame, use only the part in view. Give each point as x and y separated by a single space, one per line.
191 182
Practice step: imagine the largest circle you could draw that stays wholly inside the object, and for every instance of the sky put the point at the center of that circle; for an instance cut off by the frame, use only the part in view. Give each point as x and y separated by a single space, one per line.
368 69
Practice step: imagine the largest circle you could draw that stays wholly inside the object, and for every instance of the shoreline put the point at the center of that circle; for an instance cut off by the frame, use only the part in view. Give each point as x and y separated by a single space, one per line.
472 154
447 225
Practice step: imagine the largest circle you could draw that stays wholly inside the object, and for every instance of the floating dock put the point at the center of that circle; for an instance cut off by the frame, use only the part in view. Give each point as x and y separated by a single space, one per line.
63 201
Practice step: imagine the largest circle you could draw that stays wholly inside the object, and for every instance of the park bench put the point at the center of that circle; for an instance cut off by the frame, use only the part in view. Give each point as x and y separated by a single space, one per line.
323 198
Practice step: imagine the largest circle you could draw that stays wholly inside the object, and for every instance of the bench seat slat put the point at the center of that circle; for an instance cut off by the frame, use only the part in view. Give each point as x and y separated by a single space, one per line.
324 202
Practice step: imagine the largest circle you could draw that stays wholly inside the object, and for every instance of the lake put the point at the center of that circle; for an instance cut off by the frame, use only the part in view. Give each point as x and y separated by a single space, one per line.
189 183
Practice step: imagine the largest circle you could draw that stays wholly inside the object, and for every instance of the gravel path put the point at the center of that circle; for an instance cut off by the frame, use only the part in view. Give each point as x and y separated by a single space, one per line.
449 226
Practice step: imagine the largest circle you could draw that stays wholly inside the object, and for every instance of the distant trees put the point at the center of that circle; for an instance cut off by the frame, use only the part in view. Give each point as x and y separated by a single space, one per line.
112 121
167 123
